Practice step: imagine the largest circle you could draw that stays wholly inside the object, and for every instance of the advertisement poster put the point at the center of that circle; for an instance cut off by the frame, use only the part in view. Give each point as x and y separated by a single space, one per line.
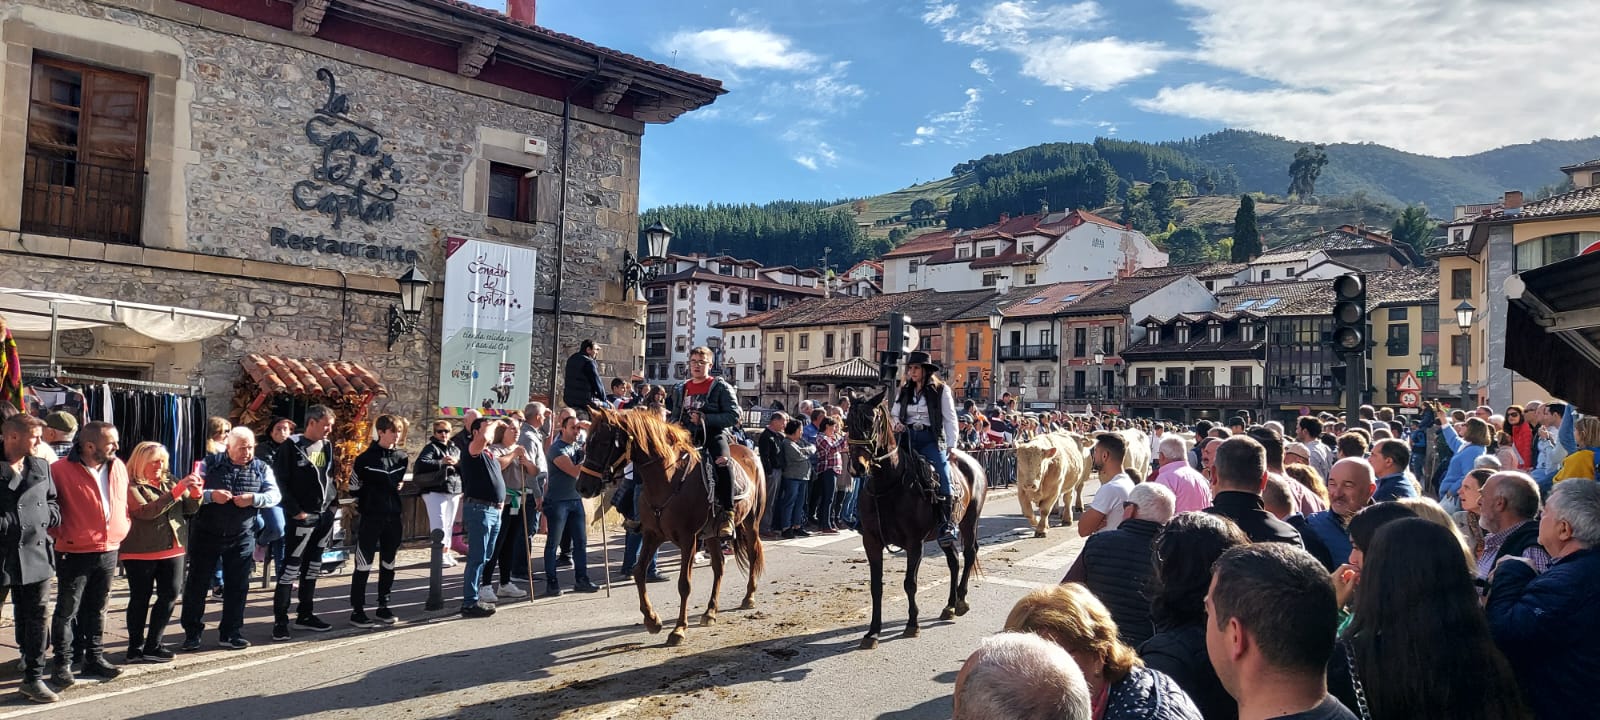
488 327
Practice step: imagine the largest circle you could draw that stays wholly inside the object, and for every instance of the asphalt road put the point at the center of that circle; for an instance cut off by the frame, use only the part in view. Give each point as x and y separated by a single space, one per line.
794 656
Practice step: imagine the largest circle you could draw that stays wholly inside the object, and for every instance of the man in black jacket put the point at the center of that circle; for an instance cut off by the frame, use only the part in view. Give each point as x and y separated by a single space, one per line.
304 470
581 388
28 510
708 407
770 447
1241 469
1117 565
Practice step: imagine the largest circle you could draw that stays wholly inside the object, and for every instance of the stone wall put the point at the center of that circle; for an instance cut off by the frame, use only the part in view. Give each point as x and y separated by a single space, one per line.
243 151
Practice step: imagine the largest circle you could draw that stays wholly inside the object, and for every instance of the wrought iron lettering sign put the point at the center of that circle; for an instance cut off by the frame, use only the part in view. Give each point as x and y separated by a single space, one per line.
353 177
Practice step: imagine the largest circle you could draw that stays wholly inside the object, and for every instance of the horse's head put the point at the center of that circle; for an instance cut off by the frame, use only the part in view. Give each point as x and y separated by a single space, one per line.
605 453
860 427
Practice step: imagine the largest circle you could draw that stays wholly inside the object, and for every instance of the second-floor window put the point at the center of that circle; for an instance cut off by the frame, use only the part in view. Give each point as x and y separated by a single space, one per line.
715 294
804 343
511 193
855 344
827 345
974 342
1461 284
1044 379
1399 341
735 297
777 343
1080 342
83 176
1108 340
990 279
683 317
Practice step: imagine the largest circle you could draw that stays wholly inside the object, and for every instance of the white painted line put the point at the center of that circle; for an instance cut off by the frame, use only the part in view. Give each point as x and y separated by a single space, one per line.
1012 582
816 541
1056 558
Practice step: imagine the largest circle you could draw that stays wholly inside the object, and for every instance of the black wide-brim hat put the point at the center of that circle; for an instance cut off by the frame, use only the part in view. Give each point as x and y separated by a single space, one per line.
918 357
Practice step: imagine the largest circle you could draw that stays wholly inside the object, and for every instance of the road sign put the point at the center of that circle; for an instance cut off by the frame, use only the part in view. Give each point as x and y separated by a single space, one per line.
1410 399
1427 373
1409 383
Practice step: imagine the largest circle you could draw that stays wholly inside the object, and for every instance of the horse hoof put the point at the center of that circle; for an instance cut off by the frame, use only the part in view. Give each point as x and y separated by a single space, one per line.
962 607
675 638
1038 533
948 614
748 604
911 632
869 643
653 625
708 620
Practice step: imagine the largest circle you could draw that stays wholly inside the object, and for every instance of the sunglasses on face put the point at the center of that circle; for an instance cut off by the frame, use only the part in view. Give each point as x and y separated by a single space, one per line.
441 432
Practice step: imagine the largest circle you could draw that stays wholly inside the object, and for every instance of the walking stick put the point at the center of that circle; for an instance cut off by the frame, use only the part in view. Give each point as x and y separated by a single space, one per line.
605 550
527 534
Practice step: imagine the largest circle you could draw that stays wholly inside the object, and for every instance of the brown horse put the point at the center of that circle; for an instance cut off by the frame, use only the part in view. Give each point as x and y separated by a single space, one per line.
894 510
675 502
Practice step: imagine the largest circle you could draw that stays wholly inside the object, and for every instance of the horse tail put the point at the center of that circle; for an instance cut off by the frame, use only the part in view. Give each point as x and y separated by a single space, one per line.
752 557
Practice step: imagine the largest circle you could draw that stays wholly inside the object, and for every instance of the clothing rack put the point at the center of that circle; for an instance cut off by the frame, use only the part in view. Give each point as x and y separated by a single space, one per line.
55 371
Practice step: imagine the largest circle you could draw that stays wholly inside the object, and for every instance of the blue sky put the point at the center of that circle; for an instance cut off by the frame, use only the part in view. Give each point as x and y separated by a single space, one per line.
836 98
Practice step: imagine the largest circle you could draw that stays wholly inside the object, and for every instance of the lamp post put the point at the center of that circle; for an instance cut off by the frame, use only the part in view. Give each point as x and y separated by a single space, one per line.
403 317
1099 360
634 272
995 319
1464 313
1425 358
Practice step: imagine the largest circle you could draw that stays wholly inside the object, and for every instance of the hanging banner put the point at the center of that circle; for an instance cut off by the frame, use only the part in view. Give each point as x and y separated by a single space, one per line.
486 356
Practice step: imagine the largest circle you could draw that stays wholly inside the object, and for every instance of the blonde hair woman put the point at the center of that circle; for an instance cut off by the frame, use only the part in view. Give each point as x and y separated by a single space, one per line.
217 434
1581 464
1120 686
158 508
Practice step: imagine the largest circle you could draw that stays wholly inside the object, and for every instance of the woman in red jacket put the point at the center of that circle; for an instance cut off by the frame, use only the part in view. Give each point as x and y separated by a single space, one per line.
159 508
1522 436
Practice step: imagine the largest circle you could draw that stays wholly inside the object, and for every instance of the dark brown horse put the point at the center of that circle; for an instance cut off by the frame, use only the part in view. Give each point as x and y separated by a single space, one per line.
894 510
675 502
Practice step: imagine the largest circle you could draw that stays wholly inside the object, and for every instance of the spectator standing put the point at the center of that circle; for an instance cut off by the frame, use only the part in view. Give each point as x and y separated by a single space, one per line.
830 461
217 434
1508 512
581 387
28 510
60 432
1306 501
270 536
159 508
438 481
1190 490
1350 489
1106 510
769 446
1584 460
483 491
1468 521
375 480
235 486
304 468
1307 430
92 490
1467 446
1271 632
1185 551
1021 676
1546 623
796 473
564 512
1391 462
1117 565
1241 470
1552 451
515 469
1522 436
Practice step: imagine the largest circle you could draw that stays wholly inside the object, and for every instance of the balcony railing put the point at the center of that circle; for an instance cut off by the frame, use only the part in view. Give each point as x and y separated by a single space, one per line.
1243 394
64 197
1028 352
656 326
1091 394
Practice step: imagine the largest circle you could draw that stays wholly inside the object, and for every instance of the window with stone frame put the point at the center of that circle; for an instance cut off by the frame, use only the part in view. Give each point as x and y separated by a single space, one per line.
714 294
735 297
683 317
777 343
713 318
1044 379
683 292
974 339
83 170
512 193
804 341
749 373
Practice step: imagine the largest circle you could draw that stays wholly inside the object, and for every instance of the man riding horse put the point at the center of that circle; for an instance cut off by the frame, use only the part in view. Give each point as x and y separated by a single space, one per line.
708 407
926 412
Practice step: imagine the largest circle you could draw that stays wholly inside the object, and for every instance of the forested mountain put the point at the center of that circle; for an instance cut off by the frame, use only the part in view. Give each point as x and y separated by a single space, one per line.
777 233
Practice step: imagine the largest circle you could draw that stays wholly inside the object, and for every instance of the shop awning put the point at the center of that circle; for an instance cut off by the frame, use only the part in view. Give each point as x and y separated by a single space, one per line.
40 311
1553 328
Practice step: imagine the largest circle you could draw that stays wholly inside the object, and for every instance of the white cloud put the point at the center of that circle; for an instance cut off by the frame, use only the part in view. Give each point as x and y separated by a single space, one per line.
740 48
1442 80
939 13
1097 65
1006 24
981 67
951 128
828 91
819 156
810 163
1050 41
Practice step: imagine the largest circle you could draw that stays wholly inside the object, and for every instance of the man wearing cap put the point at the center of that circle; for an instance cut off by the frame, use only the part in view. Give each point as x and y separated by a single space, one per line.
926 412
60 429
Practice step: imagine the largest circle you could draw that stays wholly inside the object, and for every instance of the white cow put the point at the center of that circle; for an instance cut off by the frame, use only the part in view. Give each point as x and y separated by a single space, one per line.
1049 467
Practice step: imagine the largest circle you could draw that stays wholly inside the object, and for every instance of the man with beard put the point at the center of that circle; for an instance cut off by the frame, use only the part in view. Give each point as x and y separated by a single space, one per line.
92 489
1105 512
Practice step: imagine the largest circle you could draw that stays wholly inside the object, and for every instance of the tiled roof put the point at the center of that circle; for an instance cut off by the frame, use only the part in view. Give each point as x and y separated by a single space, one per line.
1448 248
1283 256
924 244
704 275
1202 270
1405 286
278 374
1052 225
852 369
1582 201
1286 297
1051 299
926 307
1591 165
1118 295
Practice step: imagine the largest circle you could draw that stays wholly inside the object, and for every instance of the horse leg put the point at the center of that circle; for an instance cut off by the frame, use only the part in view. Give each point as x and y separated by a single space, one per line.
969 552
748 545
874 548
647 549
718 562
949 611
913 562
690 545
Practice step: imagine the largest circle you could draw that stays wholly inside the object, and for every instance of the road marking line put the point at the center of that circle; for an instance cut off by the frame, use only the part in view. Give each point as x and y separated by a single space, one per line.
1053 559
816 541
1012 582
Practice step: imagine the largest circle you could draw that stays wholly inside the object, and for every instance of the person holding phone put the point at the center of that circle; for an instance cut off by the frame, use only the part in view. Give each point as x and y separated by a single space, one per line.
235 486
159 508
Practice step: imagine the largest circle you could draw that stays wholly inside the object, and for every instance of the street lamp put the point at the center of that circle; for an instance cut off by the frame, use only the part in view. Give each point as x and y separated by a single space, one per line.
1099 360
1464 313
413 292
995 319
635 274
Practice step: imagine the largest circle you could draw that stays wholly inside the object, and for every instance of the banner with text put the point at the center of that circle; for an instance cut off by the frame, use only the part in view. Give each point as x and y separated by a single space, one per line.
487 333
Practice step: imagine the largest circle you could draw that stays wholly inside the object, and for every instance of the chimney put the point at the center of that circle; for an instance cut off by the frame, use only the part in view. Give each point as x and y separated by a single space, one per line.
1513 200
521 10
1005 216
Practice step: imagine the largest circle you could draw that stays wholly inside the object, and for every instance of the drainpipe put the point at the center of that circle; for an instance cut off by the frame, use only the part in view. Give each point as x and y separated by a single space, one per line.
561 223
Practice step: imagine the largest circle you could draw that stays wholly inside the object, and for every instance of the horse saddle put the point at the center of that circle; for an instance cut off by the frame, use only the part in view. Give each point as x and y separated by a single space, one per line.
741 481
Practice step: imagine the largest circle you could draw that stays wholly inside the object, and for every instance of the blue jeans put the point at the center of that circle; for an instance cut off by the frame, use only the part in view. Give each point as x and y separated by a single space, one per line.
792 506
566 517
926 443
482 522
848 514
632 543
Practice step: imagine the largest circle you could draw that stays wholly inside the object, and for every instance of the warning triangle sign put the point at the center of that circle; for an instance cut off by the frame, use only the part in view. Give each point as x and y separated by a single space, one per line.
1409 383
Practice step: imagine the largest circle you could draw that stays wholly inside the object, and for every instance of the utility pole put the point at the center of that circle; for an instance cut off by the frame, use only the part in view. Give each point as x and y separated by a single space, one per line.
827 271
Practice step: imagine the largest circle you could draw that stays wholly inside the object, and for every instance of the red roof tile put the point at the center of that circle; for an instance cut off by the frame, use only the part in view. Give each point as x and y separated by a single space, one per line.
278 374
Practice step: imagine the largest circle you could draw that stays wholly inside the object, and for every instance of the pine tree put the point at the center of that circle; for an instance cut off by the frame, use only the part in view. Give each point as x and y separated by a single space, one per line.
1246 238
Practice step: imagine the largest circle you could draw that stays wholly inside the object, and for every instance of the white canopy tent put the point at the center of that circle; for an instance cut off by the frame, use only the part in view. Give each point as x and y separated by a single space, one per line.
37 311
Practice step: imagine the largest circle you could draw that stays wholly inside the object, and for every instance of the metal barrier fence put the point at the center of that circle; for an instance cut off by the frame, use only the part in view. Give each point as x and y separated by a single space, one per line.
999 464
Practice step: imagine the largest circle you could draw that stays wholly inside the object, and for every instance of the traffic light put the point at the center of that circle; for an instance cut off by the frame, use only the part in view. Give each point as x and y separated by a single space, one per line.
1350 314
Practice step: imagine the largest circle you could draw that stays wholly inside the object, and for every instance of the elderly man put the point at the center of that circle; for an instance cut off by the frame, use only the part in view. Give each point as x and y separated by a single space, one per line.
1190 489
1208 461
1350 488
1391 460
28 509
1117 565
1545 623
1021 676
60 432
1507 511
1241 473
92 488
236 485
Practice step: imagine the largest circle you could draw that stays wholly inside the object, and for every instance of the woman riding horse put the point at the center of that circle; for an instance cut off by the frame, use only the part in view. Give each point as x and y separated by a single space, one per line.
926 413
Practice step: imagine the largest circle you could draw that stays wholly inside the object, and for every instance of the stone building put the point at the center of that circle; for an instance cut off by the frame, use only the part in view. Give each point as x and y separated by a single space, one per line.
286 161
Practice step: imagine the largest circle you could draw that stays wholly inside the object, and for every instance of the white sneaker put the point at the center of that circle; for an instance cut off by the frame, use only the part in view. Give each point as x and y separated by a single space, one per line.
486 594
449 559
510 590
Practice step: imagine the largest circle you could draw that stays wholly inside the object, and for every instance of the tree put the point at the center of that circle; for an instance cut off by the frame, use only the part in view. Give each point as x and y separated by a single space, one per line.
1186 245
923 207
1159 196
1246 238
1307 166
1413 227
858 207
897 236
1208 184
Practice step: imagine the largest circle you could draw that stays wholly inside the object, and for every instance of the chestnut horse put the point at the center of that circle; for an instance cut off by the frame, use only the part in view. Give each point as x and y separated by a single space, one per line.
675 502
894 510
